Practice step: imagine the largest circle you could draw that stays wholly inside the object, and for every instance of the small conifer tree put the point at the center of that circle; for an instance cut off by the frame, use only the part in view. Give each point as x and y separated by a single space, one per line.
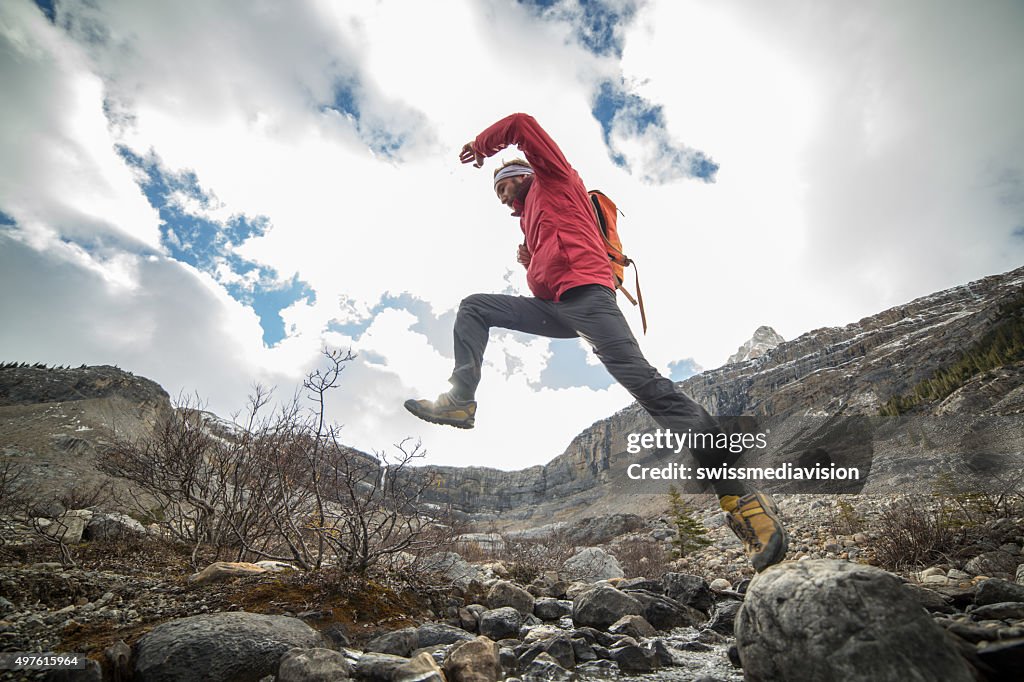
691 535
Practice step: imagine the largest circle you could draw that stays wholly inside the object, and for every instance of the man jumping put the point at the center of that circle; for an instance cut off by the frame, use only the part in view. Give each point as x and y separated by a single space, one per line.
569 272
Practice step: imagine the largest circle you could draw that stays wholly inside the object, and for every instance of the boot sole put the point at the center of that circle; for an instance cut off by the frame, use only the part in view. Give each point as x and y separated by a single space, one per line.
775 551
414 408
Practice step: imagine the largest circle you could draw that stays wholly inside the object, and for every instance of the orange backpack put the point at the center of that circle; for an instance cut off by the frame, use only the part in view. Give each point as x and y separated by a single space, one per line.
606 214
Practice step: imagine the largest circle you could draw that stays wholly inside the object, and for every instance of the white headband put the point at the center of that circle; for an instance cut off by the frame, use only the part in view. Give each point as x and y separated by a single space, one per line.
512 170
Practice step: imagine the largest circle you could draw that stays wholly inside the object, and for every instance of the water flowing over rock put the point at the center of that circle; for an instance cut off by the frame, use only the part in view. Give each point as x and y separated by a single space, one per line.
835 620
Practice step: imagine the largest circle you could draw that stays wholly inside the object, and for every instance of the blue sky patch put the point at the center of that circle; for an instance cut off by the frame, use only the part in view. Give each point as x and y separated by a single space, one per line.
210 246
437 328
680 370
1019 232
597 25
6 219
47 8
622 113
379 139
567 367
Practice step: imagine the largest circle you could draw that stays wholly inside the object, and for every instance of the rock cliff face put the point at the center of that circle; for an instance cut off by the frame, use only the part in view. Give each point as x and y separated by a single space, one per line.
824 375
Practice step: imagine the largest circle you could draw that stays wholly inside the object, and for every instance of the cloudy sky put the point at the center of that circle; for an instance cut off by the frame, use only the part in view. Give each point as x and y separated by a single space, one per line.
207 193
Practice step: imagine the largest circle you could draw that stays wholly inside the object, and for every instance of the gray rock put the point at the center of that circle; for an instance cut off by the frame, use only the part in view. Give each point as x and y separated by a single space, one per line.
452 567
219 646
477 660
665 613
548 608
634 626
69 526
397 643
561 649
501 623
1005 658
724 619
691 590
112 525
827 619
602 605
930 599
434 634
375 667
1020 575
544 668
592 564
994 564
119 660
1007 610
312 665
996 590
634 658
421 668
504 593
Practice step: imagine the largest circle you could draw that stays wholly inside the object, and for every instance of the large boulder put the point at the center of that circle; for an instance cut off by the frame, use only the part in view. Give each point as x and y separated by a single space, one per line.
69 526
453 568
501 623
112 525
220 646
603 605
999 563
504 593
996 590
592 564
474 661
219 571
666 613
836 620
691 590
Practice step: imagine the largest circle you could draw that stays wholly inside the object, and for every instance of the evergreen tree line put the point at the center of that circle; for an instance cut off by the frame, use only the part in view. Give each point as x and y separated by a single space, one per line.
1002 345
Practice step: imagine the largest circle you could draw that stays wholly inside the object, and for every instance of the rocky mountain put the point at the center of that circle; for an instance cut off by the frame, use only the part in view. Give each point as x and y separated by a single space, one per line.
54 421
819 397
764 339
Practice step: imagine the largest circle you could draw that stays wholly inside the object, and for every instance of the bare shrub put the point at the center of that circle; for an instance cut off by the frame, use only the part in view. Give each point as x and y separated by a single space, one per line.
641 557
11 500
910 534
279 484
530 558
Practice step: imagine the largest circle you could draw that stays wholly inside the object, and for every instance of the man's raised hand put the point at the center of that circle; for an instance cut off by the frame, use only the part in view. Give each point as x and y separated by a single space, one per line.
470 155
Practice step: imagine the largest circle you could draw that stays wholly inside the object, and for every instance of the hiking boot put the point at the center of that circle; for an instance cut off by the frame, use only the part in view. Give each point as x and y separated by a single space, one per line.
446 410
755 521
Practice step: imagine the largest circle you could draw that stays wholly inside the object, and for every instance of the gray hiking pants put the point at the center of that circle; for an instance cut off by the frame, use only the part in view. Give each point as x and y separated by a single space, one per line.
591 313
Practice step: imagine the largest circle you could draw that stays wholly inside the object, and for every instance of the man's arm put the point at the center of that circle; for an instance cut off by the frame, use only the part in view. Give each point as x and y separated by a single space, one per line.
523 131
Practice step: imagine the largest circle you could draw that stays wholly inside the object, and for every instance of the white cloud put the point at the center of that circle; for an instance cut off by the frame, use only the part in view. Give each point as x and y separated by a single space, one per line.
60 172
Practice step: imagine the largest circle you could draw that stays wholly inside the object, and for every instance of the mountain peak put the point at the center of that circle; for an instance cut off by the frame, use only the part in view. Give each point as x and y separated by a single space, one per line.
764 339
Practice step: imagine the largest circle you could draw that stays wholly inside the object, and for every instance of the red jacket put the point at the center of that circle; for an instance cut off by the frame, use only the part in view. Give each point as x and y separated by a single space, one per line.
566 248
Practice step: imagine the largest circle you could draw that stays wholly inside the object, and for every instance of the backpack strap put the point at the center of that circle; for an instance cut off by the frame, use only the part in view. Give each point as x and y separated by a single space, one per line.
623 260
